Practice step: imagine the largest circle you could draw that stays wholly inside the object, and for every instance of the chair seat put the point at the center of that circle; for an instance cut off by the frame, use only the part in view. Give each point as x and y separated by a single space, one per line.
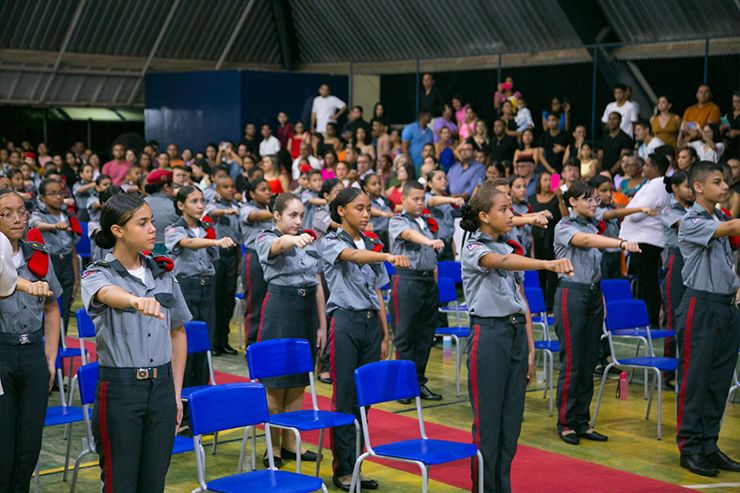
311 420
62 415
654 334
553 346
69 352
453 309
452 331
182 444
189 390
536 319
239 296
663 364
269 480
427 451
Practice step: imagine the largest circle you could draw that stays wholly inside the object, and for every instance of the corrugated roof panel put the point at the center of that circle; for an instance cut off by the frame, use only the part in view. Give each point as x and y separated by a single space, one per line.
34 24
666 20
257 42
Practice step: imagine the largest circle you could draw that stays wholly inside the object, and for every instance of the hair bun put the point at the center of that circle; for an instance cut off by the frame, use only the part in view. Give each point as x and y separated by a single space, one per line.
104 240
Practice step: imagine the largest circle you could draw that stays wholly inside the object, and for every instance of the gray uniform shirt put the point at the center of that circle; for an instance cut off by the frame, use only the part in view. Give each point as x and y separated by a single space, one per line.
380 223
58 241
351 286
82 198
309 211
294 267
21 313
189 262
124 337
251 229
93 212
522 234
226 225
490 292
707 261
163 210
670 217
445 215
611 225
586 261
421 257
321 221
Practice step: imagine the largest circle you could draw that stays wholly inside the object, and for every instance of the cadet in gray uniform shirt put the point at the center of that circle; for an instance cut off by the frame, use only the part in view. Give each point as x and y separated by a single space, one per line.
708 333
444 209
159 189
139 312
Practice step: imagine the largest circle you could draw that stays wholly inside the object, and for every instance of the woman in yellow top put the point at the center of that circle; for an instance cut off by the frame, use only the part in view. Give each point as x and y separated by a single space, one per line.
664 124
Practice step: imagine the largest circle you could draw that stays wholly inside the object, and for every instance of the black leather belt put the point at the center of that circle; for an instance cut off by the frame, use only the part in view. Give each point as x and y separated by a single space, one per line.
301 291
143 373
21 339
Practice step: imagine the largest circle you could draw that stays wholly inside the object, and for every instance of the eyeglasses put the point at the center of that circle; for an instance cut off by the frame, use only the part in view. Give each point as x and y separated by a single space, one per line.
593 200
10 216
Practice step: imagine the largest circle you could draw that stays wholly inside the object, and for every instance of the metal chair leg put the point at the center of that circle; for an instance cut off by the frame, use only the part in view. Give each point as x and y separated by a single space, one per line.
660 404
319 454
457 365
601 392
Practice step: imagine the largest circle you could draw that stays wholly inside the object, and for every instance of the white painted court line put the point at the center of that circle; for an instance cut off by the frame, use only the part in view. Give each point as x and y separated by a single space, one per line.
710 486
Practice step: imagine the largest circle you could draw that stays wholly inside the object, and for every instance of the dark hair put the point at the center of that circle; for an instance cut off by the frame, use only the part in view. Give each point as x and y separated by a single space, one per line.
253 184
700 170
182 195
616 113
661 162
410 171
667 98
366 180
117 210
538 183
644 124
621 86
577 190
102 177
411 185
109 192
481 202
328 186
573 162
343 198
716 136
281 201
665 150
511 179
676 178
597 180
46 182
691 151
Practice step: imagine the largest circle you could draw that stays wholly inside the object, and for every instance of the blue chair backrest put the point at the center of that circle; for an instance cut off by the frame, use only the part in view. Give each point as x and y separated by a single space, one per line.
385 381
224 407
83 245
85 327
531 279
447 291
197 334
616 289
87 379
451 269
535 299
389 268
626 314
276 357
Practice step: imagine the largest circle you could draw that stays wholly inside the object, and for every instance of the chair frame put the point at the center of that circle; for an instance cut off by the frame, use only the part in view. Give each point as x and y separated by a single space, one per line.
454 332
549 363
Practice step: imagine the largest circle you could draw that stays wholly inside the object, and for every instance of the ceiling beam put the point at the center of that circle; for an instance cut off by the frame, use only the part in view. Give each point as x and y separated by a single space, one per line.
286 33
234 34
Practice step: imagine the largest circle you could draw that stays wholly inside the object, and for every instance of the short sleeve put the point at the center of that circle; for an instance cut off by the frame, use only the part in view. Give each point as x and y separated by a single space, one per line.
180 314
564 232
406 134
382 279
35 219
93 280
330 247
54 286
263 244
306 195
670 216
244 213
172 237
397 225
605 116
472 253
322 221
599 216
697 230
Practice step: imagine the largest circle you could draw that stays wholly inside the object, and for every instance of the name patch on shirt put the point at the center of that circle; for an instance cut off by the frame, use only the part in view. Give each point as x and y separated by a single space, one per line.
473 246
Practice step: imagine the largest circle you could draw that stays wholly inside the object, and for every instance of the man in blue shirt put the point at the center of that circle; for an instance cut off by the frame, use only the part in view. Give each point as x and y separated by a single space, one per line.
415 136
464 176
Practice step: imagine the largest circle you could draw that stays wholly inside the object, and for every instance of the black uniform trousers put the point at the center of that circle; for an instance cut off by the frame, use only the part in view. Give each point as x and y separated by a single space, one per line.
708 338
134 429
199 296
497 381
25 379
646 265
415 315
579 318
227 271
64 270
674 289
255 289
356 342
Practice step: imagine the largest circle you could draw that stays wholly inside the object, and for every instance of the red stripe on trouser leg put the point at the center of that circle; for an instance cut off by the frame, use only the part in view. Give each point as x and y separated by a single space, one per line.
669 307
568 355
333 372
686 358
262 317
104 436
473 376
248 296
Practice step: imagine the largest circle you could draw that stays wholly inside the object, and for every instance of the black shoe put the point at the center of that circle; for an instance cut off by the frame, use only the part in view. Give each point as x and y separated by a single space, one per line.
217 351
339 484
570 438
306 456
326 380
428 395
594 436
698 464
278 461
229 350
405 402
719 460
369 484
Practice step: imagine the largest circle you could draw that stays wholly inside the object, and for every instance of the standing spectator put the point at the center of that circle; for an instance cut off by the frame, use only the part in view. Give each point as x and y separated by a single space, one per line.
284 129
648 142
270 145
381 138
665 125
117 168
502 146
614 144
430 100
731 125
624 107
447 120
553 144
648 231
249 140
459 108
326 108
466 127
415 136
467 174
561 109
703 112
528 150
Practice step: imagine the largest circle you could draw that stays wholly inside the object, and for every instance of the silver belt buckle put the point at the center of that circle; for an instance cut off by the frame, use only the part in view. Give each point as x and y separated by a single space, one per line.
24 339
369 314
301 292
142 373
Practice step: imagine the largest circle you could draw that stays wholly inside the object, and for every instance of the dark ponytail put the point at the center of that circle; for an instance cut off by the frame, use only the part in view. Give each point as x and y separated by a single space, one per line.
118 210
182 196
675 179
343 198
481 202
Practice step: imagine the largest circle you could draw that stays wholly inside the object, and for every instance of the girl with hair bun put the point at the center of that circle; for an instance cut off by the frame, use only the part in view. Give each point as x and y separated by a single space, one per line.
139 314
352 263
501 354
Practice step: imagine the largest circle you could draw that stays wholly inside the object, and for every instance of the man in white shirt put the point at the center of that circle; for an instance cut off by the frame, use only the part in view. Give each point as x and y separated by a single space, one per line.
270 144
648 232
621 105
305 154
326 108
648 142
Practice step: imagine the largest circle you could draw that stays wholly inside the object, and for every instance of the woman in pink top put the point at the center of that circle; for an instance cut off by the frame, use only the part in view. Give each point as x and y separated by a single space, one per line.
467 127
460 109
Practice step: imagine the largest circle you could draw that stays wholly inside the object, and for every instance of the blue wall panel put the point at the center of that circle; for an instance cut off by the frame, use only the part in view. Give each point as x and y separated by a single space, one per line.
192 109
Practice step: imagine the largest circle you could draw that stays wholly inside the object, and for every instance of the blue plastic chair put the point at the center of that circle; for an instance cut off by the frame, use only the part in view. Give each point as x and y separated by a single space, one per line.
538 309
386 381
616 289
621 314
278 357
532 279
199 342
239 315
447 294
389 268
83 245
450 269
85 330
237 405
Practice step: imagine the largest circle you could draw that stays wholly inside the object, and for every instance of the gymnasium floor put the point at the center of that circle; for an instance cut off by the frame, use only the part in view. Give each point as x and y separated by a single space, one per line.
631 461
